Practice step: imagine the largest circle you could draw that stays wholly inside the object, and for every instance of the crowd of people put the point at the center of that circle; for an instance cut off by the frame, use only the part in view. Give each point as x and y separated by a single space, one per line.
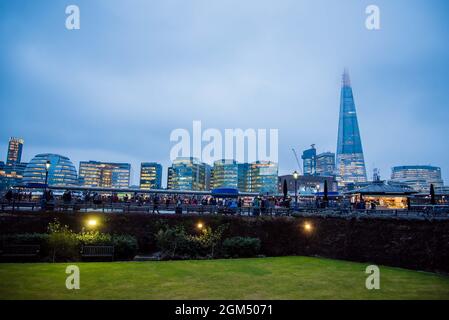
169 202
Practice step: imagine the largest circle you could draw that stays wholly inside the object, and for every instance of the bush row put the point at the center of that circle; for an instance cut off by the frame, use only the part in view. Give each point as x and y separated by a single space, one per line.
62 244
176 243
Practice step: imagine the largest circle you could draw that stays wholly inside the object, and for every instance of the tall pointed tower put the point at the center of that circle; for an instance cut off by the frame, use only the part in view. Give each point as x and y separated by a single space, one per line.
350 164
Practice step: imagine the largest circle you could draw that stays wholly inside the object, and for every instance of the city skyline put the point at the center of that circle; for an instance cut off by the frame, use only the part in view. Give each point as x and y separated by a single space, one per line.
114 91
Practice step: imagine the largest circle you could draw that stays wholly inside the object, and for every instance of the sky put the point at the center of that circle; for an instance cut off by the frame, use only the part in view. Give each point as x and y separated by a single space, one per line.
136 70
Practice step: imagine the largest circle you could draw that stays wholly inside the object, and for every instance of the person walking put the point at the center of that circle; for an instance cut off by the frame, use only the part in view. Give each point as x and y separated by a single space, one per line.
156 204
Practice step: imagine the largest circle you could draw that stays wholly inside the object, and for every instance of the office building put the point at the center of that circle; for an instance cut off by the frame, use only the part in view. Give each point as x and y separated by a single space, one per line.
325 164
188 173
309 161
104 174
225 174
244 177
264 177
418 177
150 175
15 147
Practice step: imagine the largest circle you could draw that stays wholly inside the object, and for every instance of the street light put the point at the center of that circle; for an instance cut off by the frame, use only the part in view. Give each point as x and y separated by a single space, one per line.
295 177
308 227
47 167
92 223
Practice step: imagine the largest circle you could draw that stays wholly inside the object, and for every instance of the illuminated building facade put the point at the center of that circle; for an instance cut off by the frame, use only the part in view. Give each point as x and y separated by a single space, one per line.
104 174
264 177
418 177
225 174
307 185
188 173
309 161
15 147
244 177
350 161
325 164
62 172
11 172
150 175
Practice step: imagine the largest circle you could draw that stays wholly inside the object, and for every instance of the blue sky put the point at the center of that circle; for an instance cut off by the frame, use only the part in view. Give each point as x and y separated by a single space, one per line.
136 70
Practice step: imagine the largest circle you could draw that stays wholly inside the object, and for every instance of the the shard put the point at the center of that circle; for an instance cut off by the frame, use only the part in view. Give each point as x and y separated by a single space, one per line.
350 161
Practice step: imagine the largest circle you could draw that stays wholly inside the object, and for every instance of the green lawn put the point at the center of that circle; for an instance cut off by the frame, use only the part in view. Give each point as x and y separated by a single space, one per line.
265 278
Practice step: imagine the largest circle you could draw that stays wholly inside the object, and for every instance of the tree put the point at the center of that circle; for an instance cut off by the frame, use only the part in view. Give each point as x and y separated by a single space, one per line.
285 189
432 195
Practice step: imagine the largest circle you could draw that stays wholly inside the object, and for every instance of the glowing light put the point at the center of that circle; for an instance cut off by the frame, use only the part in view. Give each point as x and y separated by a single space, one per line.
308 227
92 222
200 225
295 175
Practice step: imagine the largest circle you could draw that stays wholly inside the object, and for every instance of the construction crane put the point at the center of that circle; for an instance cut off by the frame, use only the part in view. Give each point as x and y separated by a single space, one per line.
297 159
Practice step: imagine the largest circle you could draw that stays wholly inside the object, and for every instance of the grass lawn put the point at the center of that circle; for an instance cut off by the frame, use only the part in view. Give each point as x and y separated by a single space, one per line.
265 278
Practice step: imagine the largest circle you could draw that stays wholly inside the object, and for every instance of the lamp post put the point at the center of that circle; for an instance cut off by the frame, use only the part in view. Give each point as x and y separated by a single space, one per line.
295 177
47 167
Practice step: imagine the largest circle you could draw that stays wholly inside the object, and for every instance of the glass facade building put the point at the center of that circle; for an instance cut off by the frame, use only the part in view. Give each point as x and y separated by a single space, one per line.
11 175
188 174
264 177
225 174
62 171
350 161
309 161
418 177
325 164
104 174
150 175
244 177
15 147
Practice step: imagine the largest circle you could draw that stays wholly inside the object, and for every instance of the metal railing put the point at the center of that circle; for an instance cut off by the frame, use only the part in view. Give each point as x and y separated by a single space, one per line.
419 212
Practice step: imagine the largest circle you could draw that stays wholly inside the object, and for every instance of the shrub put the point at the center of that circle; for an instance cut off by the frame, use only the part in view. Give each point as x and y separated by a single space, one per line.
172 241
125 246
176 243
26 238
94 238
241 246
208 240
29 238
63 243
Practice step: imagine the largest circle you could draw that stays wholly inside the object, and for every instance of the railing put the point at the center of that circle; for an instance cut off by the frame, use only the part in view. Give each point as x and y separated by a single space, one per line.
419 212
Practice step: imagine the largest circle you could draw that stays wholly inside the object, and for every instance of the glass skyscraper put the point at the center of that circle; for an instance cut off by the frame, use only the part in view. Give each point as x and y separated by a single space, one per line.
350 161
150 175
